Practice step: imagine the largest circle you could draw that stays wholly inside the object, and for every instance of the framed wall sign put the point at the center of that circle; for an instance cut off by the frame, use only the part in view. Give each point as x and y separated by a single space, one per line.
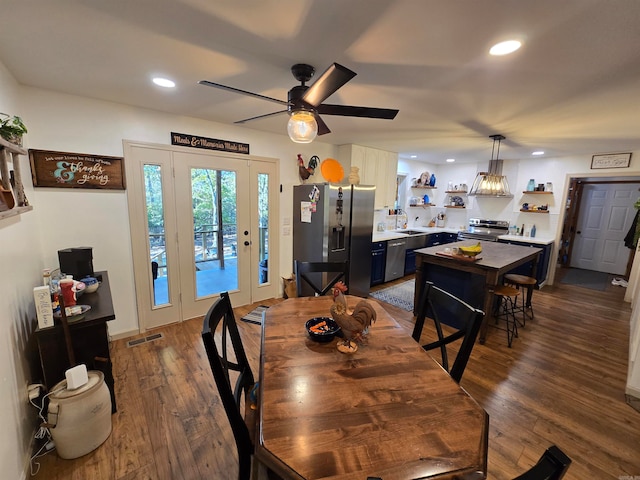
76 170
611 160
196 141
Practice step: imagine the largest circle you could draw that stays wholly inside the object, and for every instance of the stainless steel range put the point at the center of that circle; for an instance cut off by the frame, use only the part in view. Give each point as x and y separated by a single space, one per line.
482 229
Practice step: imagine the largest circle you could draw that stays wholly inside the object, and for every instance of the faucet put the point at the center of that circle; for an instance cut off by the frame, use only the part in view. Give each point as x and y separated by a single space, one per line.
415 221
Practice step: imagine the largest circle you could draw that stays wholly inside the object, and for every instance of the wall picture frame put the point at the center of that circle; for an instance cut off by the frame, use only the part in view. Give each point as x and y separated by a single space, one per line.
76 170
611 160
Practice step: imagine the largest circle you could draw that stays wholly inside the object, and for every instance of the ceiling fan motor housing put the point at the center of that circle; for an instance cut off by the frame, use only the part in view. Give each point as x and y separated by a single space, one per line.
295 100
303 72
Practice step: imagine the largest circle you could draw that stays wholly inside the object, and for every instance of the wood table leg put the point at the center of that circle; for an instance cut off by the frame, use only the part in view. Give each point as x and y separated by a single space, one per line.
418 283
491 280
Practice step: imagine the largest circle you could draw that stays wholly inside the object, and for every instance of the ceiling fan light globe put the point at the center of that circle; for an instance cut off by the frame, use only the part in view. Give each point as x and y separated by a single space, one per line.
302 127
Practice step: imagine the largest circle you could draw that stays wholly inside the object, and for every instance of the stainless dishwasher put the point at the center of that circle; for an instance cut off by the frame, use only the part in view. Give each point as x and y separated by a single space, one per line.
395 259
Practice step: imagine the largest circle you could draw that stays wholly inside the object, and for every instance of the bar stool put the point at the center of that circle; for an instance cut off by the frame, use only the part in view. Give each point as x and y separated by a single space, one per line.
528 284
506 310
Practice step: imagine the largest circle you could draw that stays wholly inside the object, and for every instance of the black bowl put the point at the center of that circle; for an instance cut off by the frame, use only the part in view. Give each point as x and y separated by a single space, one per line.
326 329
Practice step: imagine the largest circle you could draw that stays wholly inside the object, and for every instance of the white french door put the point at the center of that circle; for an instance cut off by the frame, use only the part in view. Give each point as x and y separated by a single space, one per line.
201 223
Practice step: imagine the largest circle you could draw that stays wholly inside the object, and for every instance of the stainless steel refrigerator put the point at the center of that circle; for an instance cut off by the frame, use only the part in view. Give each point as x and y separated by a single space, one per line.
334 223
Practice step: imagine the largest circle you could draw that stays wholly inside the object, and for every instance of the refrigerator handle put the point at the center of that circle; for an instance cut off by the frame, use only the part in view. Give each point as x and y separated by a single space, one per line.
337 238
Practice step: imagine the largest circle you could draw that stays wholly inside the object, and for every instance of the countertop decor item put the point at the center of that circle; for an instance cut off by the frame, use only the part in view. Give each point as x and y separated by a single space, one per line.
531 186
354 176
470 251
306 172
322 329
12 128
331 170
354 325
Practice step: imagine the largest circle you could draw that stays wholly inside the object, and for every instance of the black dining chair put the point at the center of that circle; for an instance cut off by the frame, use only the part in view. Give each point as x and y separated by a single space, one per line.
320 276
227 357
443 307
553 464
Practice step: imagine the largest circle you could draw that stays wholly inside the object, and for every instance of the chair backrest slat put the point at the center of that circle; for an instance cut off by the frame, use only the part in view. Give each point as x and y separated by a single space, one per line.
443 307
220 328
312 274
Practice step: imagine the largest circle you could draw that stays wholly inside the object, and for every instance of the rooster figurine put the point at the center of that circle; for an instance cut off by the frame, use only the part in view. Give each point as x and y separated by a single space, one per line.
306 172
355 325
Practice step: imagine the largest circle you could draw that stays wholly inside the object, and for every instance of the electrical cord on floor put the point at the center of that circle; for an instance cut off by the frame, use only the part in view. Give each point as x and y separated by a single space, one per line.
42 434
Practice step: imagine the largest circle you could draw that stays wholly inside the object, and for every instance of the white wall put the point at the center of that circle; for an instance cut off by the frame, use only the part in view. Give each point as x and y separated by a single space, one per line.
21 271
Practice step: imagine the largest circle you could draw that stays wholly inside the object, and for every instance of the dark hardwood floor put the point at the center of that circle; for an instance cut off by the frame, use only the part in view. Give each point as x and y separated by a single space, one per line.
561 383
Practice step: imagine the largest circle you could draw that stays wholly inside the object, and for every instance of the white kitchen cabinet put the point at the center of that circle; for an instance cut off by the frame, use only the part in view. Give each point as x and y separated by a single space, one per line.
376 167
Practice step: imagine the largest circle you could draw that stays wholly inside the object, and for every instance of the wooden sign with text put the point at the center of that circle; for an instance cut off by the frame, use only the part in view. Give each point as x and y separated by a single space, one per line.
196 141
76 170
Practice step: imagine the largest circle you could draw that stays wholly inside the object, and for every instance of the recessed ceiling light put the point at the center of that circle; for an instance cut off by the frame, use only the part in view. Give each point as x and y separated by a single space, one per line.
451 160
538 152
164 82
414 156
504 48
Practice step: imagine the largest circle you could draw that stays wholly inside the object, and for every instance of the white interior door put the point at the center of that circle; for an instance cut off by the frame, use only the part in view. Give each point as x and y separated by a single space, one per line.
200 225
606 214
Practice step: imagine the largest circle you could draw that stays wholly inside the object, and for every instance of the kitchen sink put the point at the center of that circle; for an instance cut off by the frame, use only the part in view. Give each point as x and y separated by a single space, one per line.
412 232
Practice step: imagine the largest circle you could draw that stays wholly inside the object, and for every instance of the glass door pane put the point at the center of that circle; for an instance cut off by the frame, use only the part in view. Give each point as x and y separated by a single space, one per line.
263 228
156 234
264 214
215 232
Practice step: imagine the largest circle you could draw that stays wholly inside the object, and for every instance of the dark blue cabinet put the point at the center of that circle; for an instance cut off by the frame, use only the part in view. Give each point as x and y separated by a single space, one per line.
441 238
434 239
378 261
543 260
448 237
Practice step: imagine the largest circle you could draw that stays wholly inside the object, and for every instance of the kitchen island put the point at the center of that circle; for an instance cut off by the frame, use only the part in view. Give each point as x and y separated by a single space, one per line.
471 280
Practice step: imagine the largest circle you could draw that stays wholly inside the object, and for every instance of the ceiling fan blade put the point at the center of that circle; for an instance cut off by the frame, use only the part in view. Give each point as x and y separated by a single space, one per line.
351 111
331 80
262 116
242 92
322 127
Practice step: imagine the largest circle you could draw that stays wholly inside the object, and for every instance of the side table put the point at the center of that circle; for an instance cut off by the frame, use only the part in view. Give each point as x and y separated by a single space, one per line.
89 338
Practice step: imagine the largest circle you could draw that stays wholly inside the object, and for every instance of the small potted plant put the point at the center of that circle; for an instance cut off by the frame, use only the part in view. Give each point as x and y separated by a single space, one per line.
12 128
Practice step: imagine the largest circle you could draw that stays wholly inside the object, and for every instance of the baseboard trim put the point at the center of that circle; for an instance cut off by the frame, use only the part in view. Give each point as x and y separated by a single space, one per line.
634 402
120 336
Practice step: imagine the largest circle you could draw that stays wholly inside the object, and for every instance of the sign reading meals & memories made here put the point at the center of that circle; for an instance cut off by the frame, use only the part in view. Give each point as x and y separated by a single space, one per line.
196 141
76 170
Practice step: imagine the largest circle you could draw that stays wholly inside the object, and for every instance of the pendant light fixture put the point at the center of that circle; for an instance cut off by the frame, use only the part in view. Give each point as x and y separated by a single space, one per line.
302 126
492 183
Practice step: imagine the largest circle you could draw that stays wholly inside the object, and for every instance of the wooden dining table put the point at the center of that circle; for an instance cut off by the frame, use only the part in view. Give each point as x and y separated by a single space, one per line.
387 411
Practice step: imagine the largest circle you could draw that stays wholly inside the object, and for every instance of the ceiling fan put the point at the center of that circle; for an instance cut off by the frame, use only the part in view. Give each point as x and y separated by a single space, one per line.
304 103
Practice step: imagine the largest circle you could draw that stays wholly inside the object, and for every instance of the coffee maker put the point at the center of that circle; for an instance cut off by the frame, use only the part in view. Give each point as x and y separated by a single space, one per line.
77 262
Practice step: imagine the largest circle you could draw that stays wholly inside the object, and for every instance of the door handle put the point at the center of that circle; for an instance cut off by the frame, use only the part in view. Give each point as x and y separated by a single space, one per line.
247 243
578 232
